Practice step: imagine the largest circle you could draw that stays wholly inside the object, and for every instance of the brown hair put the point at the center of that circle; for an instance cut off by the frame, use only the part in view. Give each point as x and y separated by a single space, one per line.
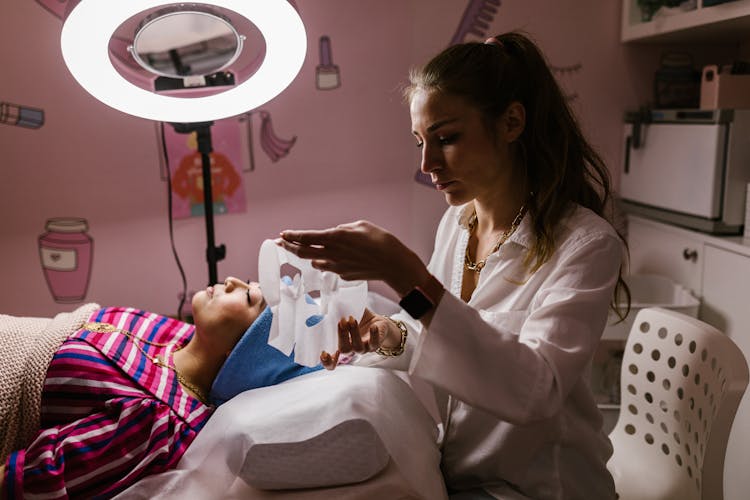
561 167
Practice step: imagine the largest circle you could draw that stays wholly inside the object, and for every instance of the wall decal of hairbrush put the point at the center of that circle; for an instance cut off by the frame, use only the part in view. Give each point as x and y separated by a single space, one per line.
21 116
476 20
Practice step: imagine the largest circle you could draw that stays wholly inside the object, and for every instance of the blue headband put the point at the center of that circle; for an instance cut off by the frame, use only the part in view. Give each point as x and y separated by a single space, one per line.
253 363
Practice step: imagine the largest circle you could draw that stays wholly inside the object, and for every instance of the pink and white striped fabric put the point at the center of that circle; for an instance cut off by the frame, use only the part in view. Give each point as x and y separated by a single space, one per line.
110 416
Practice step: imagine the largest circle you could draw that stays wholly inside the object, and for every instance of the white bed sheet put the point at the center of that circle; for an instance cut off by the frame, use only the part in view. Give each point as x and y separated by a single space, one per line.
299 410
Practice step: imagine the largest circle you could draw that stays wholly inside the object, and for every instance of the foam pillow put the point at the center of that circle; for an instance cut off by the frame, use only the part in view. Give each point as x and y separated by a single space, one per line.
325 428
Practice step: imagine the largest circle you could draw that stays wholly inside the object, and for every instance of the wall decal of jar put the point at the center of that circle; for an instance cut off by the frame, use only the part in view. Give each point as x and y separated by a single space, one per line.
65 251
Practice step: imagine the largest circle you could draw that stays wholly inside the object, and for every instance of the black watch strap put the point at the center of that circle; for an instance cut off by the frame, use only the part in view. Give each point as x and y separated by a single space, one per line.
416 303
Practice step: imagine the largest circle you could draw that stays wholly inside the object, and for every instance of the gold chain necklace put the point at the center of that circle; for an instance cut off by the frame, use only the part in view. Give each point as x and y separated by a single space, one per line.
156 360
479 265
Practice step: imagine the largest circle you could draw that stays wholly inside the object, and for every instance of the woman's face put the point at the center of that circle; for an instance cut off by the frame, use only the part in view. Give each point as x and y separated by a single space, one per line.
464 159
224 311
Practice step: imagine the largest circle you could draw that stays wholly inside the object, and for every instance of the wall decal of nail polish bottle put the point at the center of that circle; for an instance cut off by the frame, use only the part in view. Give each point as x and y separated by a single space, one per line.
65 251
327 76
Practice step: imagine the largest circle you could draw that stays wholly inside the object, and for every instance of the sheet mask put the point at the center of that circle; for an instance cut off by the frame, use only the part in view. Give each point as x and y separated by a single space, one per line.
301 324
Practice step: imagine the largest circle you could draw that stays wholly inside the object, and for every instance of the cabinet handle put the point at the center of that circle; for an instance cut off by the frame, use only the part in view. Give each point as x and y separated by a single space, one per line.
688 254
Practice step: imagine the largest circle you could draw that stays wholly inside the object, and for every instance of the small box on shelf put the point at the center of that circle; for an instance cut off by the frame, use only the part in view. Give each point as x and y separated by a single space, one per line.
721 89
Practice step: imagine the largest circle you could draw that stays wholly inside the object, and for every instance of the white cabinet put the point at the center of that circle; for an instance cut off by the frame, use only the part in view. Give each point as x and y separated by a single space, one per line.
726 297
728 21
720 277
666 251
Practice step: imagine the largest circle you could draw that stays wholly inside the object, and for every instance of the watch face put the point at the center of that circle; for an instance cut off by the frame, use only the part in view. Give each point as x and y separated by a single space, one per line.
416 303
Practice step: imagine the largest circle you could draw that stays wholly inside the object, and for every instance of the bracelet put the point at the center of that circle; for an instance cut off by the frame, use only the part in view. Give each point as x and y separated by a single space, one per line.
399 350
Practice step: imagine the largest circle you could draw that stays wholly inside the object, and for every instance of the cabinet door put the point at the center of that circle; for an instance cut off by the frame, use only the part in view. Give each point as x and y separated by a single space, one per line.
726 296
660 249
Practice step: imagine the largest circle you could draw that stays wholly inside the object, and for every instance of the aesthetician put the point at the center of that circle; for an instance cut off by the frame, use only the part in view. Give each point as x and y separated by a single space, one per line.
505 319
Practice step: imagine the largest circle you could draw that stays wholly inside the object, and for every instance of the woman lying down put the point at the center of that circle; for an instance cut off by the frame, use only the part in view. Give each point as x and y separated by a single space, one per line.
127 392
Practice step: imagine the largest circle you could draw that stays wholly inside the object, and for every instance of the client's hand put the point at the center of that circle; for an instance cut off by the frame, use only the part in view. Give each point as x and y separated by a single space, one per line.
367 335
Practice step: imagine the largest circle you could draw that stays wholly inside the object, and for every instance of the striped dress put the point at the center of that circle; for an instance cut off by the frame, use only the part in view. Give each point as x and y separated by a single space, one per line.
110 416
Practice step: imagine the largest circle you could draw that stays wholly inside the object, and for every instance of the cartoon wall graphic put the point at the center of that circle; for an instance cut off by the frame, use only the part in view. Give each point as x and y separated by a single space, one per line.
66 253
54 7
273 145
327 74
476 19
186 169
563 74
21 116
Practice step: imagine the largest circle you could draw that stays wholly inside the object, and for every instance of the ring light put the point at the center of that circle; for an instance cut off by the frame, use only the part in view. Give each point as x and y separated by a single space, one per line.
85 46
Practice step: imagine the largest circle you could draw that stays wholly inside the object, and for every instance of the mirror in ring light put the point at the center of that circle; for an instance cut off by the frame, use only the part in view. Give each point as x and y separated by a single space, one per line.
185 41
178 46
97 33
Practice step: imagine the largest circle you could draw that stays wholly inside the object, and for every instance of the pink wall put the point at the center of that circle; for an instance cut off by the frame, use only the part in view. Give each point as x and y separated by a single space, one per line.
354 157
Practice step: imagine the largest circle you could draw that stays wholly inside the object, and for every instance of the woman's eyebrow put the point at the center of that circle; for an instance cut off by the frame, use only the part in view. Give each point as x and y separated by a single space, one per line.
441 123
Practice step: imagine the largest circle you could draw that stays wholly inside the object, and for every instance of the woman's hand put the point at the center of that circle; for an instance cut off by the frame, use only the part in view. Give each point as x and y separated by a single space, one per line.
359 251
367 335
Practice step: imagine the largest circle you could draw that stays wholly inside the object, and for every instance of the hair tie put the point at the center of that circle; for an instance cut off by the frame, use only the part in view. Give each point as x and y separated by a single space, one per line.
494 41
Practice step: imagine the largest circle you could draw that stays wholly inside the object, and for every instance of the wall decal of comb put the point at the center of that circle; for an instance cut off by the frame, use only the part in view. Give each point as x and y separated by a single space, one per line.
21 116
476 19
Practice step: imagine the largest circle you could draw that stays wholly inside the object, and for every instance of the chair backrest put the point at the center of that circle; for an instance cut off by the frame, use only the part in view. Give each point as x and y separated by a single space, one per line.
681 383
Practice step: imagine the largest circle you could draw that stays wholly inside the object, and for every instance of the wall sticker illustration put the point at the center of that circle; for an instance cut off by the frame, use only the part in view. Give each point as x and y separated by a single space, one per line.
66 253
476 20
185 165
327 74
54 7
563 74
21 116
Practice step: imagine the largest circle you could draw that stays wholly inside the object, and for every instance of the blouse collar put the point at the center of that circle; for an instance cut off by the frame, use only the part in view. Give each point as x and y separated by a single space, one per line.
523 235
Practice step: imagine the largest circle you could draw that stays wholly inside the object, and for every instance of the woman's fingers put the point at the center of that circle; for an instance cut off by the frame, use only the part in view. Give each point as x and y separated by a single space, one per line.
345 339
356 338
375 337
329 362
307 237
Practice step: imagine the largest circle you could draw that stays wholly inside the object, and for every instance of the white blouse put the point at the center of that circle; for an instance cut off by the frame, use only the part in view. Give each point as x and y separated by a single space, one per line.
510 368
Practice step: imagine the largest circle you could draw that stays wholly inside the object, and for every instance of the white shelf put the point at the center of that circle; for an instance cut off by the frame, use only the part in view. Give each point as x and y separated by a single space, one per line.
727 22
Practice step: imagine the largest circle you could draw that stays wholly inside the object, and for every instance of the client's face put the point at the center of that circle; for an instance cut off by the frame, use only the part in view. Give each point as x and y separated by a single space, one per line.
224 311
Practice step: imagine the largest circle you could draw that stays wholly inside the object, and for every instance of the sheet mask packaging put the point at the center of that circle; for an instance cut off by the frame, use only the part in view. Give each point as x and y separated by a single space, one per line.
306 306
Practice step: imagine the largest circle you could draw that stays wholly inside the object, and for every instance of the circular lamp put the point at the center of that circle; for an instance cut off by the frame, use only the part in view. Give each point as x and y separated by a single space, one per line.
90 25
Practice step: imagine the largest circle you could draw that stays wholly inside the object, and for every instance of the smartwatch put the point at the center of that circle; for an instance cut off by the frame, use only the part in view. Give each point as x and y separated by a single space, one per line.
417 303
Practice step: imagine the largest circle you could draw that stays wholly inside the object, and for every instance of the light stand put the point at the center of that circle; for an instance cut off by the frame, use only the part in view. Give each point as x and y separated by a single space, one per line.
203 132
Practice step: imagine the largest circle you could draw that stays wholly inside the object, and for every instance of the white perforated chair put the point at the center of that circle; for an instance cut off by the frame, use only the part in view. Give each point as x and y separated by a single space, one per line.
681 383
